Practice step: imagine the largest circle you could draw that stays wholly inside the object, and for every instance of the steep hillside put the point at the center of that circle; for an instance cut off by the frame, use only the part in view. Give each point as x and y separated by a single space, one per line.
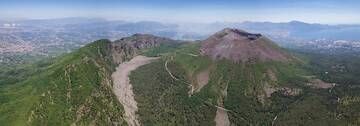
76 89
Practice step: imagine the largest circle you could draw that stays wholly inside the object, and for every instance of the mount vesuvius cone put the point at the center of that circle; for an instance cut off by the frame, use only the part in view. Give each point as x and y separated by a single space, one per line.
240 46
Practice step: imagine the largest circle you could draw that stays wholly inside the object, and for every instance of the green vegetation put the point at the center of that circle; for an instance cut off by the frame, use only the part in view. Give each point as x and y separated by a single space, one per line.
163 101
245 88
74 89
189 58
157 92
342 69
311 109
160 50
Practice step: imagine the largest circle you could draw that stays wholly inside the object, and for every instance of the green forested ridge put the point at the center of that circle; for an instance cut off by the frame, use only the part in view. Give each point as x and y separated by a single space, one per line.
162 101
343 69
74 89
245 83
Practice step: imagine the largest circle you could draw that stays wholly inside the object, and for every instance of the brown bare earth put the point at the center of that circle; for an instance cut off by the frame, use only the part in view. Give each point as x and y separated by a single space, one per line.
287 91
202 79
123 89
269 89
241 46
271 75
221 118
317 83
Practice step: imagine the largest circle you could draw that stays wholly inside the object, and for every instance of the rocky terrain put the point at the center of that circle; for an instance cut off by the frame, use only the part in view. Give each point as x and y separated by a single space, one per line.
123 89
241 46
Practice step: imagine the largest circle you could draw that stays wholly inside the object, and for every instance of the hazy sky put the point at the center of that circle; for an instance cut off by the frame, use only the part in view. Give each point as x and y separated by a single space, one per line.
312 11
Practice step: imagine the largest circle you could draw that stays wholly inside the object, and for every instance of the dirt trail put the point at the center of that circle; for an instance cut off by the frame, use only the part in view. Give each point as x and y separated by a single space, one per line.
273 122
221 118
190 54
317 83
167 69
123 89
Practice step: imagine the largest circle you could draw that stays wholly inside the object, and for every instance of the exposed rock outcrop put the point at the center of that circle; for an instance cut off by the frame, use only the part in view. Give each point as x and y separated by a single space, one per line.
126 48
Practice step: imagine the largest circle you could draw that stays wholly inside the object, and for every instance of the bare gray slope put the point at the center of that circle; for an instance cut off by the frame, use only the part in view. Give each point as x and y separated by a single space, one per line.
123 89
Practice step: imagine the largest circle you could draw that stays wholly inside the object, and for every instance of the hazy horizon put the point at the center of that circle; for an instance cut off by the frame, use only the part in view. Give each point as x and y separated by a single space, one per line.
165 22
321 11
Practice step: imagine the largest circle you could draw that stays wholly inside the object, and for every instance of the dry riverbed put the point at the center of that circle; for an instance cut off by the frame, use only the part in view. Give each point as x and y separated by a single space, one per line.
123 89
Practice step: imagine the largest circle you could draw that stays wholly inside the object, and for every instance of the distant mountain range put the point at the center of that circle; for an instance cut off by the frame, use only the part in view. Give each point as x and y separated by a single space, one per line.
294 29
55 36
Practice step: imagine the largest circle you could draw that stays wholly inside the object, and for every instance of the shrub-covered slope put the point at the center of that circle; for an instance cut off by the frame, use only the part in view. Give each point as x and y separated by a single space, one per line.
267 92
75 89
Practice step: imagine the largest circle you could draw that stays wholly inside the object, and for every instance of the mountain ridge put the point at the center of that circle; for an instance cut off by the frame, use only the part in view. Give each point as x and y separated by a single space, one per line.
77 89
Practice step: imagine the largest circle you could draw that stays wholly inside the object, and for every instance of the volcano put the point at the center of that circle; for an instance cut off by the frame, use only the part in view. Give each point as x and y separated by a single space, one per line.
241 46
